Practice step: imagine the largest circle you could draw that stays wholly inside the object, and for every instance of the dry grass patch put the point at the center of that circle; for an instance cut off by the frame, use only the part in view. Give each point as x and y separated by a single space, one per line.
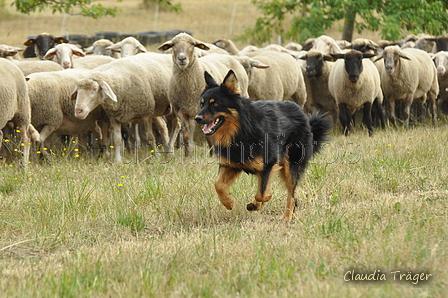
81 227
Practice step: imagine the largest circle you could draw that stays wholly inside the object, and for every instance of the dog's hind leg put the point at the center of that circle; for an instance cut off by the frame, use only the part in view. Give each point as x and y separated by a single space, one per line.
291 184
264 187
226 177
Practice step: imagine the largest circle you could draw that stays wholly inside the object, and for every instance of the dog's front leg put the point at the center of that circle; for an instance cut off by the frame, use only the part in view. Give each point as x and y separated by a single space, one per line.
264 187
226 177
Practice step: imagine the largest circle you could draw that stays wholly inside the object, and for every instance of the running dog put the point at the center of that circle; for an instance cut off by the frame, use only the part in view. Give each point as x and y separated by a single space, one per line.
259 138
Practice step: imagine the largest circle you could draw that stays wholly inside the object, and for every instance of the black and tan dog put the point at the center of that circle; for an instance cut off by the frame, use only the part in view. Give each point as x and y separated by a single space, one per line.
258 137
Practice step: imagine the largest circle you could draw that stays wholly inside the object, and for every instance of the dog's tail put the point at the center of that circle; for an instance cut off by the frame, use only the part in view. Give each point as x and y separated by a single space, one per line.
321 125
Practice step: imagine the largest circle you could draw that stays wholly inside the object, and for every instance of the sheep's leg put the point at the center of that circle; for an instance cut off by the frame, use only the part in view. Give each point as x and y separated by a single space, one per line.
407 111
432 101
392 116
44 134
25 143
379 111
345 117
368 117
264 187
189 140
149 136
116 130
138 141
176 126
163 130
226 177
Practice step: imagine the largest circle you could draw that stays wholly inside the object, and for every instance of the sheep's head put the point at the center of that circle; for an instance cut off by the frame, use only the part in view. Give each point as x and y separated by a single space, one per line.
353 63
183 46
129 46
392 56
64 53
43 42
89 94
441 62
315 62
364 45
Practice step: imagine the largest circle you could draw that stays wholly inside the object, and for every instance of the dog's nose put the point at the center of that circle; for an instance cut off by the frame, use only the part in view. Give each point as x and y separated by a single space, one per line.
199 118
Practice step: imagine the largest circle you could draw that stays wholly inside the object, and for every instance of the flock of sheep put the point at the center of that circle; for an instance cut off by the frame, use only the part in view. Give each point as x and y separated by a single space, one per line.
119 86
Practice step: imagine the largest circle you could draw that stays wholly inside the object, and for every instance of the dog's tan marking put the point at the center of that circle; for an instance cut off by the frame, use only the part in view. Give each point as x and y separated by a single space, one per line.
232 84
212 100
202 100
290 186
255 165
225 179
225 135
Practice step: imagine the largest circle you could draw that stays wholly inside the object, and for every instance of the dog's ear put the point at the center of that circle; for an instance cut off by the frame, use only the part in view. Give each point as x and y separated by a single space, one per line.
209 80
231 83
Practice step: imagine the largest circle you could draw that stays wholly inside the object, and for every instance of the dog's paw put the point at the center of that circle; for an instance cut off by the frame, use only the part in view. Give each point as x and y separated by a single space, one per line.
251 207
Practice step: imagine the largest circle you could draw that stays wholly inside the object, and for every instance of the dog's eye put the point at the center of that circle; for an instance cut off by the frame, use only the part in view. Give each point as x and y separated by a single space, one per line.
215 104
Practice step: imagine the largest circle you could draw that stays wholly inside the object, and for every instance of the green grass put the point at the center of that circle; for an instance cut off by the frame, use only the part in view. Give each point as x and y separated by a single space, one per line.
83 227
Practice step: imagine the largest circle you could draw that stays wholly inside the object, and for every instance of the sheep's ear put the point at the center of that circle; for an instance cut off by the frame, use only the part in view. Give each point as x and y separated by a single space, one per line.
379 58
140 49
209 80
368 55
108 90
330 58
231 83
337 56
11 53
74 94
114 47
60 40
50 53
404 56
30 42
201 46
77 51
166 46
258 64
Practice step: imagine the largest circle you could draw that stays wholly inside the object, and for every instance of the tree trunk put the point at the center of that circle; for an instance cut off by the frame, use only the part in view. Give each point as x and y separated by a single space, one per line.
349 24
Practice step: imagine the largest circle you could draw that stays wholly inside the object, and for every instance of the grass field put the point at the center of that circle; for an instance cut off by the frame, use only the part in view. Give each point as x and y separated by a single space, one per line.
154 227
81 227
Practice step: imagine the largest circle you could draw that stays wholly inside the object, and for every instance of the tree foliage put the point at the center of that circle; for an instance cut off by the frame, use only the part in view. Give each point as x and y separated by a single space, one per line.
72 7
79 7
301 19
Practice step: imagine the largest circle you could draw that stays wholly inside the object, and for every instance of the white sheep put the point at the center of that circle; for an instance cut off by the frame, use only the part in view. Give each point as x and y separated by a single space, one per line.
274 75
29 67
188 80
130 90
10 52
129 46
317 72
91 61
326 45
15 106
441 62
99 48
407 75
354 82
63 54
231 48
52 107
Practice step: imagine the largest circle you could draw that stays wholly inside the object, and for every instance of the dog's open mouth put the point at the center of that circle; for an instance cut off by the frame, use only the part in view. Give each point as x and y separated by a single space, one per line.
212 127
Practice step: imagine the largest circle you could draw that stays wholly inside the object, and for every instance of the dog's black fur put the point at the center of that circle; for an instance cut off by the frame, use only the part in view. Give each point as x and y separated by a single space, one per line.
258 137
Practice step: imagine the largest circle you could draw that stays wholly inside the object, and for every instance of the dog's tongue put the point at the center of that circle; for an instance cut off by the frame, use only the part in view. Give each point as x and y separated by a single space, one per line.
208 127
